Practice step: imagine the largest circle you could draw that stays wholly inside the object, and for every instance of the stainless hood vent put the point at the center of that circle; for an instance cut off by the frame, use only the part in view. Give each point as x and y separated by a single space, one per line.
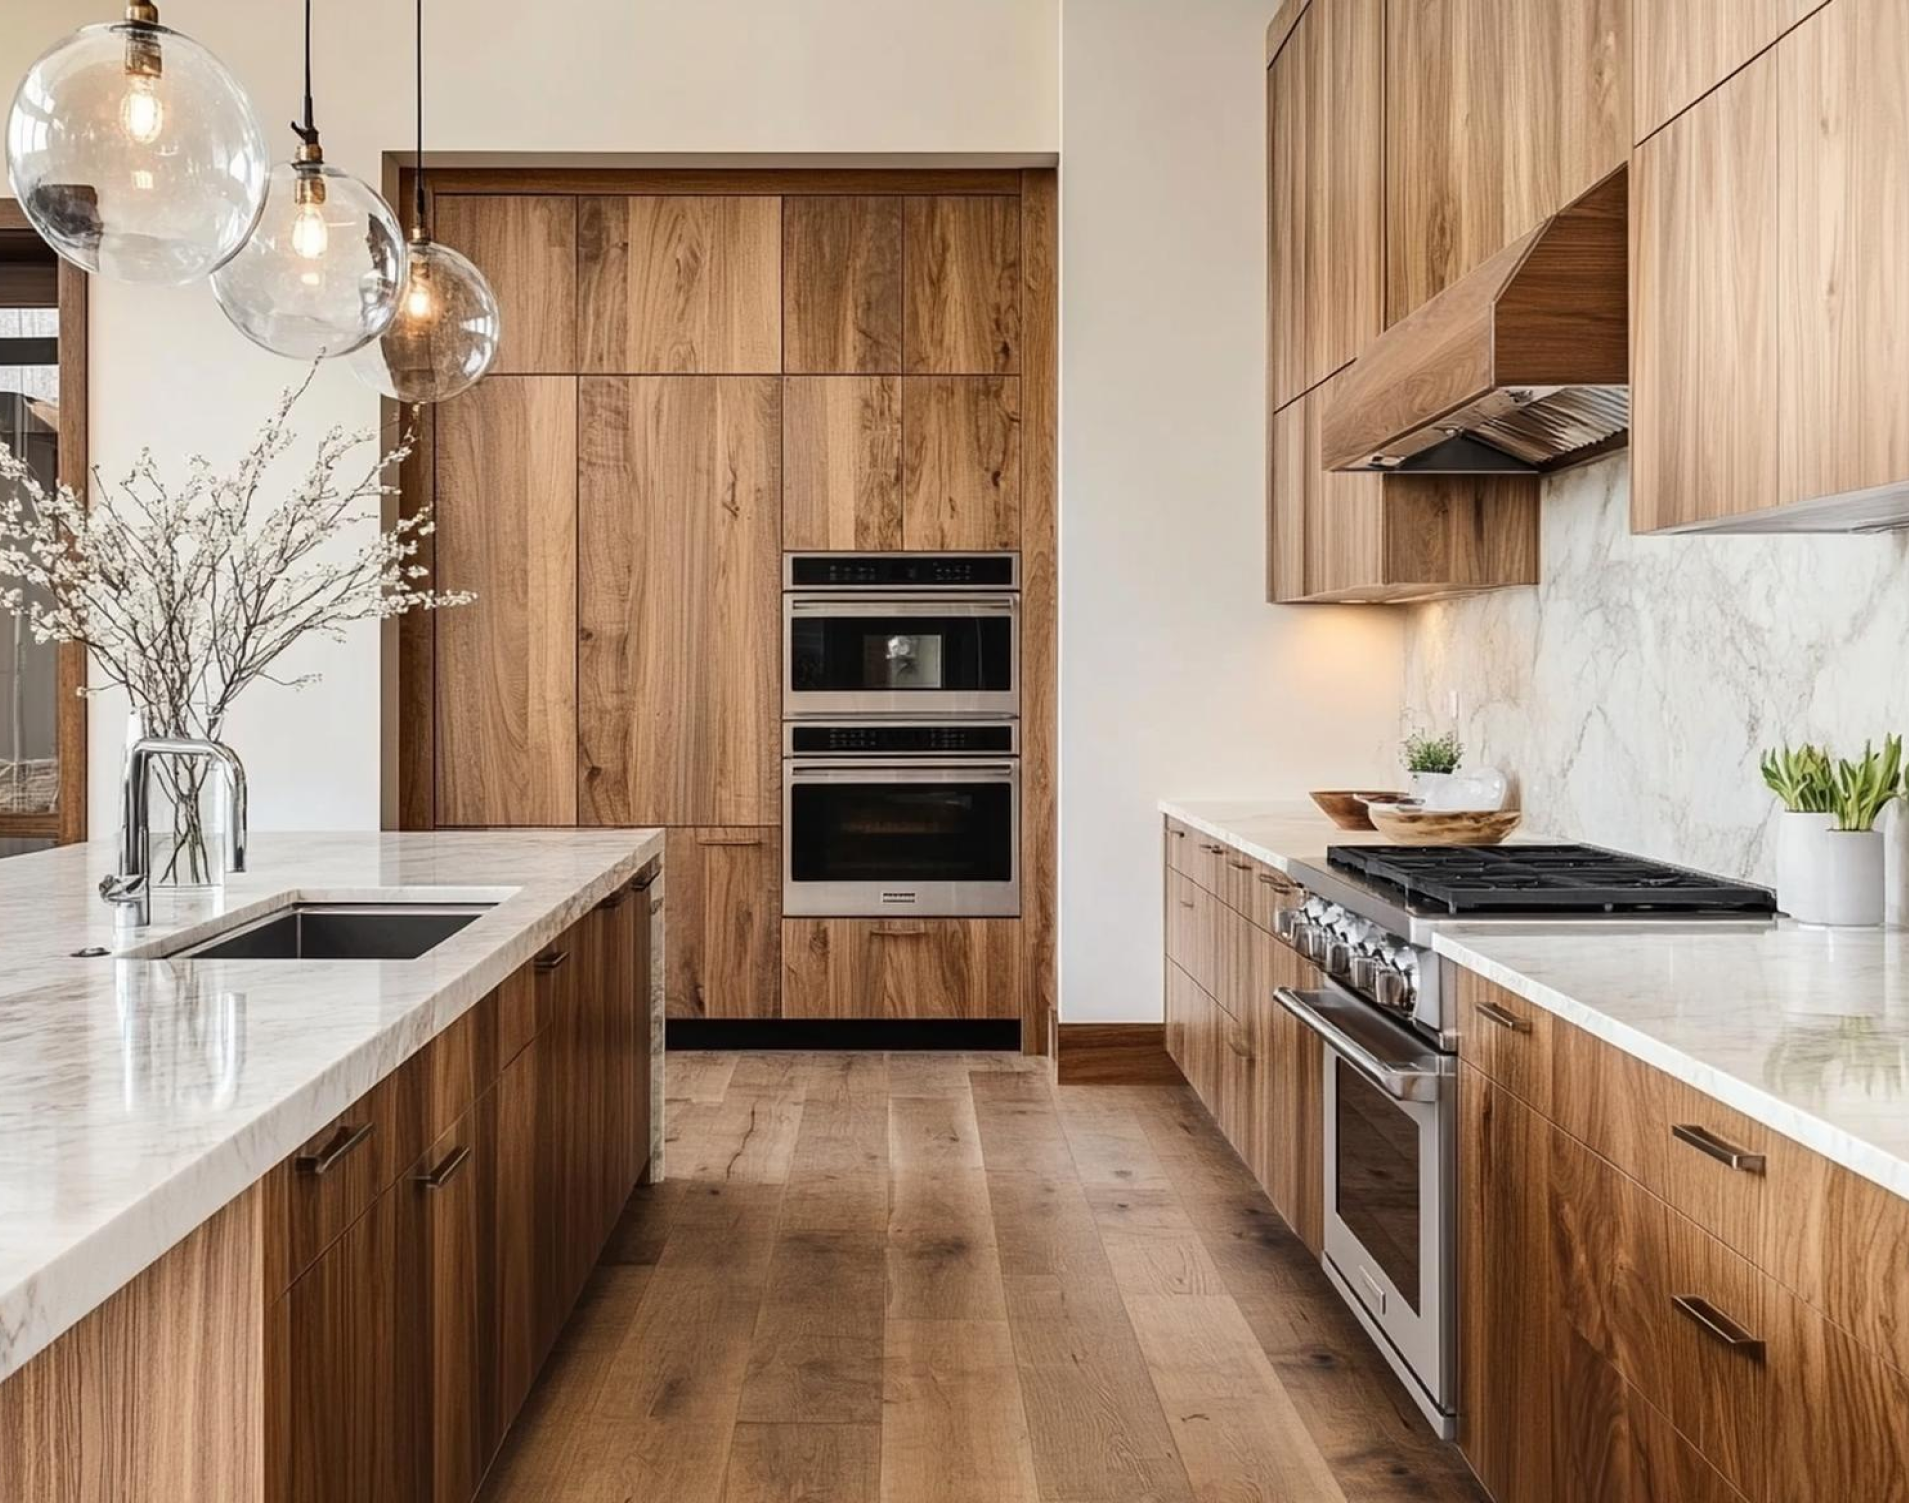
1521 366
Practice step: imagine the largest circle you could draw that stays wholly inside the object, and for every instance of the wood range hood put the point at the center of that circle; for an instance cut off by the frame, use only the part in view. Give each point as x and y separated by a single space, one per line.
1519 367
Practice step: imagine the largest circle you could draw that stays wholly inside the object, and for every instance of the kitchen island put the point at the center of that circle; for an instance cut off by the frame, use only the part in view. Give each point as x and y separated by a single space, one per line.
194 1152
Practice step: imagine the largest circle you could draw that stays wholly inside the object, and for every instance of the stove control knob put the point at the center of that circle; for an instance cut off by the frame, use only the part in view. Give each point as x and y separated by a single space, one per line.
1362 972
1338 958
1392 989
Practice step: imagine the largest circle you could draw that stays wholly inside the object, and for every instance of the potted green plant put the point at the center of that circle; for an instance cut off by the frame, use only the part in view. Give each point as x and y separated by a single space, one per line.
1433 763
1829 854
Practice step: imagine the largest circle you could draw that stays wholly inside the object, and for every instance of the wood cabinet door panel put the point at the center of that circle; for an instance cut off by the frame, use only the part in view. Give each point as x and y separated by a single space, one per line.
842 466
507 662
1506 1037
1705 348
1291 122
1681 49
520 1259
1345 250
841 285
344 1369
525 244
1297 1090
1839 1418
1507 1302
961 267
679 602
724 917
1287 482
961 462
680 285
1843 209
901 968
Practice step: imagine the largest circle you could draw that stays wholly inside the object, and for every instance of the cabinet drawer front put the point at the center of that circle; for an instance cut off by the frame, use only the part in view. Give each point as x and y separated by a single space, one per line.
1193 930
1180 845
1205 860
1271 891
901 968
1505 1037
1839 1415
319 1191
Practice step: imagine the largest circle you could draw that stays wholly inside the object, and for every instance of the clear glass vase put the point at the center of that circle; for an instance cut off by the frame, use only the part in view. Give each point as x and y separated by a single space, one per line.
186 805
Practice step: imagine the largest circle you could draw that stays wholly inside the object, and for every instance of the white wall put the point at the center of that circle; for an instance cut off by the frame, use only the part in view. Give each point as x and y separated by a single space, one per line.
582 76
1175 679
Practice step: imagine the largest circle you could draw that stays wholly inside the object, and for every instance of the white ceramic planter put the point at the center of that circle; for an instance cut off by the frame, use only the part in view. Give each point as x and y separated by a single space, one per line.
1455 792
1828 876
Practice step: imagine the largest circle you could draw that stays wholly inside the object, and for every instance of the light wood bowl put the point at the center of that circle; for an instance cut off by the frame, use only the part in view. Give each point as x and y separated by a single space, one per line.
1346 807
1436 827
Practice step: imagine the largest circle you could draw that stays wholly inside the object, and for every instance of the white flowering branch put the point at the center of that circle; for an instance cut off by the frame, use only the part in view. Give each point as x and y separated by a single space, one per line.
185 595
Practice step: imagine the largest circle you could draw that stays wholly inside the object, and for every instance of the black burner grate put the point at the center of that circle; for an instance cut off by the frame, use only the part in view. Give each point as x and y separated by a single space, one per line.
1545 879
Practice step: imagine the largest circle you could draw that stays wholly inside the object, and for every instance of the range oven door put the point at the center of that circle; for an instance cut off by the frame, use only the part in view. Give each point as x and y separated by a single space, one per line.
1390 1178
913 654
936 837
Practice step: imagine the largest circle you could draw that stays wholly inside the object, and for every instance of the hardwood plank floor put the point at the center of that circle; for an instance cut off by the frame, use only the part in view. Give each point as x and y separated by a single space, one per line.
921 1278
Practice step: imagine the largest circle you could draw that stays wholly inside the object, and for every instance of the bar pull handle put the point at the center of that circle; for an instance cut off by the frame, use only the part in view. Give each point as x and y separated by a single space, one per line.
1276 882
1176 834
1185 902
1239 866
728 838
1210 848
447 1171
1491 1012
551 962
1714 1323
1707 1142
898 931
343 1140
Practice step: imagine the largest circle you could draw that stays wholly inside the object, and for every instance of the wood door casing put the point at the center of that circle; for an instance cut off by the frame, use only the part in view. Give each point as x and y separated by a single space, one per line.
842 462
526 246
679 601
901 968
506 695
679 285
842 285
1705 331
723 916
961 462
961 271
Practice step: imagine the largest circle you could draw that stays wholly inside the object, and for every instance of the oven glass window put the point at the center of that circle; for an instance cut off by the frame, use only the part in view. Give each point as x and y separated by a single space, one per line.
901 832
1377 1171
901 653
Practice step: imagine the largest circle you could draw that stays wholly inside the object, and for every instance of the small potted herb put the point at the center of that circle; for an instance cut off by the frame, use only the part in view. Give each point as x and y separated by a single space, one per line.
1433 763
1829 854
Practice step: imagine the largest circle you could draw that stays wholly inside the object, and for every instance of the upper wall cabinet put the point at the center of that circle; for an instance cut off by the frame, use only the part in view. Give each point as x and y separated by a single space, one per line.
1768 317
1326 226
680 285
526 244
961 269
1497 114
1682 49
841 286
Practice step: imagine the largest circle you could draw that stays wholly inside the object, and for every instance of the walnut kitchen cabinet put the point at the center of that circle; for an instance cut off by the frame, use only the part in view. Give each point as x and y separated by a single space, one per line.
1497 114
526 244
506 687
901 968
1295 1131
1762 330
679 601
1336 536
1682 49
842 463
1326 205
841 285
723 952
961 279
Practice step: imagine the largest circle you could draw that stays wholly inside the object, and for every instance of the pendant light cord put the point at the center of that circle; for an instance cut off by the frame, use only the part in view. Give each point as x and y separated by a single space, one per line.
417 174
308 132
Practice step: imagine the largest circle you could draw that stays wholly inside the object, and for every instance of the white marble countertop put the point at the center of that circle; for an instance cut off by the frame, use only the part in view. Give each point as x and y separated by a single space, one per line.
1803 1029
138 1095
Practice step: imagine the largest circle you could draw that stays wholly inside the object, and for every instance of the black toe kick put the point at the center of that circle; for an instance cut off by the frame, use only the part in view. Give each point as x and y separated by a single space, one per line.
844 1033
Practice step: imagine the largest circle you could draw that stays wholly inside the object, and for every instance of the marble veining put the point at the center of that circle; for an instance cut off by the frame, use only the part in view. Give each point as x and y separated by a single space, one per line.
138 1095
1630 692
1805 1030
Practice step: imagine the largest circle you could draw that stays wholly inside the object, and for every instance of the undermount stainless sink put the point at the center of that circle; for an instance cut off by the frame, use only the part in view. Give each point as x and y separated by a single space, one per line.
339 931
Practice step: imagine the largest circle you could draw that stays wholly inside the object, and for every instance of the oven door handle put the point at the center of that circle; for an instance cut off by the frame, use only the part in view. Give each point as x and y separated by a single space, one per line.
903 605
905 772
1401 1079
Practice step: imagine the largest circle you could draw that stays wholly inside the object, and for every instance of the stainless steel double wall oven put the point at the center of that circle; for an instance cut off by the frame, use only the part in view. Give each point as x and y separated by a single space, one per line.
901 700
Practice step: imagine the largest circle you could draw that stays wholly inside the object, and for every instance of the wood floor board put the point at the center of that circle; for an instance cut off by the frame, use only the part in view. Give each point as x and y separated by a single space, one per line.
954 1428
928 1278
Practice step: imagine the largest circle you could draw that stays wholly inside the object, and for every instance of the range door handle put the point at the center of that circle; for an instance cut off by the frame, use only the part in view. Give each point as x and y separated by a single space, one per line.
1395 1061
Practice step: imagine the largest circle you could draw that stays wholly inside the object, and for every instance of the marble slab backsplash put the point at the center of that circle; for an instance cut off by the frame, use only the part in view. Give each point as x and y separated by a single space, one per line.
1630 693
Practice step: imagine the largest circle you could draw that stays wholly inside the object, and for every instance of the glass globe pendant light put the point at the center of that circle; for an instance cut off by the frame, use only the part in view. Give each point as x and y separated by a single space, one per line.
135 154
445 335
321 274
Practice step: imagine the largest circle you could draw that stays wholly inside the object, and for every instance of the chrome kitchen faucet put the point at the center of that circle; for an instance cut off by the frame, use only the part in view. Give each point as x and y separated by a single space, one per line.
129 889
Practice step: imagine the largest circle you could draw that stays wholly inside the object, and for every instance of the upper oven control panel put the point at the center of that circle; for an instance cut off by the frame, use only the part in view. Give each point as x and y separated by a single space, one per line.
922 738
907 571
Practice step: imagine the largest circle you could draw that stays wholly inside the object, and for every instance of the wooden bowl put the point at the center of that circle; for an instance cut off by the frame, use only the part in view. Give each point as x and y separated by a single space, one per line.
1346 808
1434 827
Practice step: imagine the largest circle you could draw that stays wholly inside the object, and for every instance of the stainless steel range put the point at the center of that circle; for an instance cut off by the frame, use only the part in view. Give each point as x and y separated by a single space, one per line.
1389 1023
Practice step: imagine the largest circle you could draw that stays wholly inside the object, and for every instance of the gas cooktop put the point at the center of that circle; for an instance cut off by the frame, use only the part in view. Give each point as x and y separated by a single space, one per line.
1544 879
